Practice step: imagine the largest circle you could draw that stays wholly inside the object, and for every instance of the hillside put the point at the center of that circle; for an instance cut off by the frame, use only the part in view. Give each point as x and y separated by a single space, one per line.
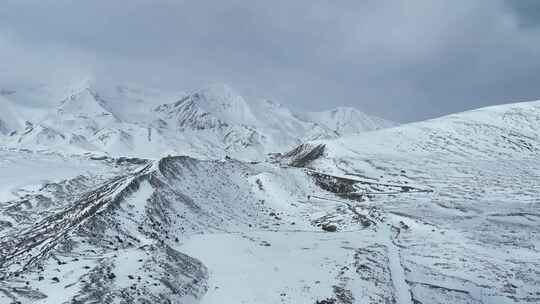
439 211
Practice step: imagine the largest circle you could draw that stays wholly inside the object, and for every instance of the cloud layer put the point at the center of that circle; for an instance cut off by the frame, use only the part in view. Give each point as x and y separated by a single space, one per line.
404 60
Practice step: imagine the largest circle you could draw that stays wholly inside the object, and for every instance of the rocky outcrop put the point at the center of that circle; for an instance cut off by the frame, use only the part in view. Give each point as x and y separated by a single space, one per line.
304 154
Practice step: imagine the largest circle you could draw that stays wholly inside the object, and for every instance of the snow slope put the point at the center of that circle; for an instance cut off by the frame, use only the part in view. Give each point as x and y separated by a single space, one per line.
475 238
504 131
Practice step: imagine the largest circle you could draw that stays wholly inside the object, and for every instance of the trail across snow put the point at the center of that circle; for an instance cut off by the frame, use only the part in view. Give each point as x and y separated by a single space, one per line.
403 293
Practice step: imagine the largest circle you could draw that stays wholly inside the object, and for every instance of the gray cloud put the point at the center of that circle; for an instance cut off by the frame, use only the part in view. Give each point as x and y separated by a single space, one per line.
528 12
403 60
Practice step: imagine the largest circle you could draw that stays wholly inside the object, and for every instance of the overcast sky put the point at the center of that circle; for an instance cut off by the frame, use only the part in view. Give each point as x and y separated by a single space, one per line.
403 60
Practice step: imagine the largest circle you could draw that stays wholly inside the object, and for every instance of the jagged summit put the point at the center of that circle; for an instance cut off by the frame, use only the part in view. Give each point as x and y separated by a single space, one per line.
214 106
210 123
225 103
85 103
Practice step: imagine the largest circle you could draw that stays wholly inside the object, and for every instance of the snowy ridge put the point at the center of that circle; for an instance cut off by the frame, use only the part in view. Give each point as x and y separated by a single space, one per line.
209 123
346 120
138 216
213 107
494 132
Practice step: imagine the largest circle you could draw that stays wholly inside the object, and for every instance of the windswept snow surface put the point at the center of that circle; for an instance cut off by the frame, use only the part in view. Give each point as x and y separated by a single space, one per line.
440 211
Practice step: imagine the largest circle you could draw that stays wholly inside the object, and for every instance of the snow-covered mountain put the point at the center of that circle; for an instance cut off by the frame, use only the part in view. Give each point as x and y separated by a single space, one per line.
503 131
8 120
475 237
209 108
209 123
439 211
347 120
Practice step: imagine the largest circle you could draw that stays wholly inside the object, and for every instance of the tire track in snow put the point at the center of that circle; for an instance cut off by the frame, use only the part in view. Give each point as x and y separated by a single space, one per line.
403 292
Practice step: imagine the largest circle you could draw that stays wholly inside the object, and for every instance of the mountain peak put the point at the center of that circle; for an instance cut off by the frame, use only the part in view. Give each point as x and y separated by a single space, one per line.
207 122
225 103
215 105
348 120
85 102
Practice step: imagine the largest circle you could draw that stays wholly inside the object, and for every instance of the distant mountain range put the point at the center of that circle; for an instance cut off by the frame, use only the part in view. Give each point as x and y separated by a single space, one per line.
209 123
